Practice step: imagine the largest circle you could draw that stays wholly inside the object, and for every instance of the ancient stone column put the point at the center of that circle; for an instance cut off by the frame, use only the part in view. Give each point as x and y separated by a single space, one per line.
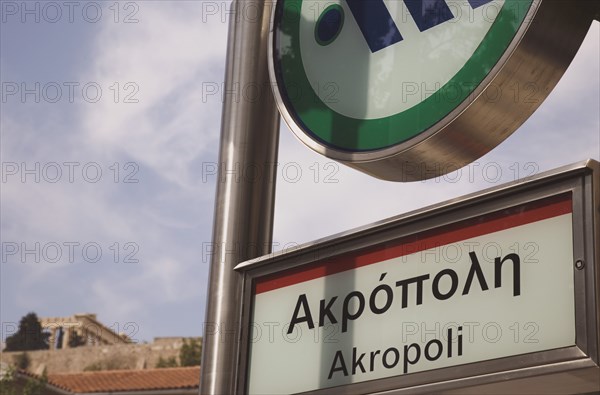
52 339
66 337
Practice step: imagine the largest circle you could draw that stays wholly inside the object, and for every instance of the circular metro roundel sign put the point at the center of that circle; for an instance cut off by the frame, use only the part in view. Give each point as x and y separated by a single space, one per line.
411 89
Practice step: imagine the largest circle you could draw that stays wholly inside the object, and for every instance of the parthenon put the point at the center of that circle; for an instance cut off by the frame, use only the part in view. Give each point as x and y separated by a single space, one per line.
86 326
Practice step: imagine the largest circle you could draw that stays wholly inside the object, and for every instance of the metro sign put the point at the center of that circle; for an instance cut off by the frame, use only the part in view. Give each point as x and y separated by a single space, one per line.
477 292
411 89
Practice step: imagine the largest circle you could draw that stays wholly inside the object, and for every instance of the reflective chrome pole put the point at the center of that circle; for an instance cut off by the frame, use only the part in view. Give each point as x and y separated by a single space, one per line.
243 222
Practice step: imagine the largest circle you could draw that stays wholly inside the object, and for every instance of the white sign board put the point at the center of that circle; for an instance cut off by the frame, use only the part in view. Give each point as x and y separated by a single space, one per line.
494 286
496 292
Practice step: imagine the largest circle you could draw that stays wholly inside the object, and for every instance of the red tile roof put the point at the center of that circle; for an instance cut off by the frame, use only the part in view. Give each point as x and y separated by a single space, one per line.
127 380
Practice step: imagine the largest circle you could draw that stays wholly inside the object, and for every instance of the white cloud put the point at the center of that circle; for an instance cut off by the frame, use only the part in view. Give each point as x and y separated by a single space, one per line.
170 57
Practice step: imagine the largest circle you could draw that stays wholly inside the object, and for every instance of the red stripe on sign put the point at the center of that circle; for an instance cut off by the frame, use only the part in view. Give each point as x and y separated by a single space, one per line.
463 230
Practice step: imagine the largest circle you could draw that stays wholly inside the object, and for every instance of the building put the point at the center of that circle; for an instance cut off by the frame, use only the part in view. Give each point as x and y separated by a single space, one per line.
85 326
99 347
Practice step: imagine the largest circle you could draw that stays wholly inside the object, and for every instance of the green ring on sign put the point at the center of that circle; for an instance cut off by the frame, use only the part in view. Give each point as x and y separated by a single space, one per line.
359 135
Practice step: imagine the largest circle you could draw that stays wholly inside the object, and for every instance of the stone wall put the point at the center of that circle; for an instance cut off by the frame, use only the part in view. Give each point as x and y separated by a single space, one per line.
121 356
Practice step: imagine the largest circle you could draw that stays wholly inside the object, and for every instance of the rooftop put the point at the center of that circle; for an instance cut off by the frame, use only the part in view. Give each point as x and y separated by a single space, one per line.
115 381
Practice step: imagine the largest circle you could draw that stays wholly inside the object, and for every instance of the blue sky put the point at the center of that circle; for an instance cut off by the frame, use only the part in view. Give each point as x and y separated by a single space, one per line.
124 156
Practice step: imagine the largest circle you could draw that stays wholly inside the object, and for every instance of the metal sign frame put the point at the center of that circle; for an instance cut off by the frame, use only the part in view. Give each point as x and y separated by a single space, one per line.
575 369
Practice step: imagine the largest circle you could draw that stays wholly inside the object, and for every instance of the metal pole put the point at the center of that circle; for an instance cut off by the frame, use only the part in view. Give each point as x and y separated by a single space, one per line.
243 222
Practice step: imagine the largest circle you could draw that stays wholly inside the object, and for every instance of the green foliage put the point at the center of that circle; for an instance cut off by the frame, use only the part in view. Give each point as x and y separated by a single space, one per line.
36 387
166 363
190 353
94 367
29 336
114 363
22 361
9 385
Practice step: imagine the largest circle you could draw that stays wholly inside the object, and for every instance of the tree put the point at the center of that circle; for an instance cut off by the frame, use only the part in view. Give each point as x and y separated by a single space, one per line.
190 353
166 363
10 384
36 386
112 363
29 336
